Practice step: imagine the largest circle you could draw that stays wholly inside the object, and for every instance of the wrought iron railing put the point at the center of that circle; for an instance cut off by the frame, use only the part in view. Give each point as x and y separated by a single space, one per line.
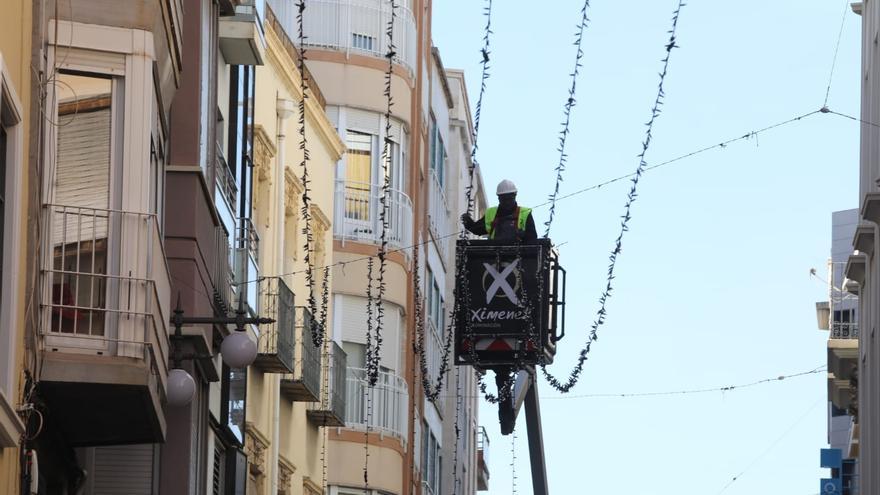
353 26
276 342
844 330
225 179
357 214
389 399
304 384
332 411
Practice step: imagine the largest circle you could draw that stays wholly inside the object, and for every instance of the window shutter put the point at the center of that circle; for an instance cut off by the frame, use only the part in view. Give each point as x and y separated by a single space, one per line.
124 470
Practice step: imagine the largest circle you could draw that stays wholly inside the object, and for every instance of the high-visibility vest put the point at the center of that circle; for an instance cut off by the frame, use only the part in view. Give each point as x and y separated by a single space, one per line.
491 213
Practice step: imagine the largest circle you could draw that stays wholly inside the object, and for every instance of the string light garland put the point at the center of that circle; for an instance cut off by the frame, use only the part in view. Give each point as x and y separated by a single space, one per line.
566 384
569 104
484 78
390 54
305 210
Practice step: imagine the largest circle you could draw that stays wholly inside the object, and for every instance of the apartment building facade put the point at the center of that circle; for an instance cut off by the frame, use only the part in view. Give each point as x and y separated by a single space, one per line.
838 315
16 262
161 146
863 265
296 388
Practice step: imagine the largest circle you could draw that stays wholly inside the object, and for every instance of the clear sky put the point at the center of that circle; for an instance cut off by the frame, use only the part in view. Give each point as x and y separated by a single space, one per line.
713 284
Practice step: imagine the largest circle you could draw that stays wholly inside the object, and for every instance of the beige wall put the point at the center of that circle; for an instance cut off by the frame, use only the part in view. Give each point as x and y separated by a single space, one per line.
298 441
15 48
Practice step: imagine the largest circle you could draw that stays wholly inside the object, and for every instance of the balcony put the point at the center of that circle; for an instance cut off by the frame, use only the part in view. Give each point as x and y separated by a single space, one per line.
245 253
304 384
843 355
482 459
241 35
390 399
357 209
103 321
353 26
438 214
331 411
275 346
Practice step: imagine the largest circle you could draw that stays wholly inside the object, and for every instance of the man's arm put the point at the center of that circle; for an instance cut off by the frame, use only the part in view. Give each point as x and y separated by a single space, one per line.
476 228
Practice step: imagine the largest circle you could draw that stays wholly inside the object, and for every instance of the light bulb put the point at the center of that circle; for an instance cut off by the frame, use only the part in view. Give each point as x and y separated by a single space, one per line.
238 350
181 388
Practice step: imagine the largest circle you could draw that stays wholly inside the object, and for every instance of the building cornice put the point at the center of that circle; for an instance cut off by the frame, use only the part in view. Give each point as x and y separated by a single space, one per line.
284 65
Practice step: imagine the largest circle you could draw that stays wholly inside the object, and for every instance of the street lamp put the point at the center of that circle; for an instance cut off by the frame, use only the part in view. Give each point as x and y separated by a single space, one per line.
237 349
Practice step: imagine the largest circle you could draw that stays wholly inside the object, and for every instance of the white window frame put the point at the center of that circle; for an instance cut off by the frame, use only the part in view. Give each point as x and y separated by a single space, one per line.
126 55
11 427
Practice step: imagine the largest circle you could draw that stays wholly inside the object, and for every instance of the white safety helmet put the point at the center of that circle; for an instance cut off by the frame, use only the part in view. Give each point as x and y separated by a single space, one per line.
505 187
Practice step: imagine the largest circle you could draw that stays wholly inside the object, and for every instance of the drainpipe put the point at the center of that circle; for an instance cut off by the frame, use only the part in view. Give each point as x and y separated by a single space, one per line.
284 109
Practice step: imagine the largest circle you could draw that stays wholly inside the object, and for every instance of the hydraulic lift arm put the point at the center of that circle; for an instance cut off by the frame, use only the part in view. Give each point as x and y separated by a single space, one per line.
527 393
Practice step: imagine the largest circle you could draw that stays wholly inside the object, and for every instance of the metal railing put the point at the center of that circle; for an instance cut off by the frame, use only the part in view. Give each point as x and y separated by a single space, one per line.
438 213
222 272
389 399
304 384
357 214
483 444
276 342
105 284
353 26
245 257
225 179
844 330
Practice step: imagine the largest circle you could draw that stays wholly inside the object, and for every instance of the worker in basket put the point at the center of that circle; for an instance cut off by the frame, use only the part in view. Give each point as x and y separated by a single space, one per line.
506 222
512 223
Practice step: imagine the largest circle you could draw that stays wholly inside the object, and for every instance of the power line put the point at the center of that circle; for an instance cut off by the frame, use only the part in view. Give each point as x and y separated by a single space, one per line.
687 391
739 476
721 145
836 50
725 388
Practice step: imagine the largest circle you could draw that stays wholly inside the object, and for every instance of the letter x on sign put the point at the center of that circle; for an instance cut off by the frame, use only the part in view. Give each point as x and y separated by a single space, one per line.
500 282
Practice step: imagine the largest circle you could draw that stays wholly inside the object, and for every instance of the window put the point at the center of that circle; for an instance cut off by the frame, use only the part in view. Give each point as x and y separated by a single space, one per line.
431 461
437 152
362 41
435 309
85 202
358 172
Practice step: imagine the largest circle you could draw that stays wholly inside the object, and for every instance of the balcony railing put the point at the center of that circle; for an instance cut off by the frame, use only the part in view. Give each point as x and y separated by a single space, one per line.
245 256
438 213
222 273
357 214
225 180
353 26
482 459
105 283
844 330
332 411
276 343
389 403
105 280
304 384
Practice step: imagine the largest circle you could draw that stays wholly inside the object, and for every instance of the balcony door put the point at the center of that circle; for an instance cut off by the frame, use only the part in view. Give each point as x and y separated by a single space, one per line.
364 179
83 214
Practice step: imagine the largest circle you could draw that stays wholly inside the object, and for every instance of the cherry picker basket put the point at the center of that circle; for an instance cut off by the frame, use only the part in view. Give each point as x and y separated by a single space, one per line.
509 303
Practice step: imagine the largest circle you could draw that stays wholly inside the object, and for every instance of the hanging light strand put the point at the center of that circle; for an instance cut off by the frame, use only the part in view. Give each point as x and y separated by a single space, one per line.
565 385
569 105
